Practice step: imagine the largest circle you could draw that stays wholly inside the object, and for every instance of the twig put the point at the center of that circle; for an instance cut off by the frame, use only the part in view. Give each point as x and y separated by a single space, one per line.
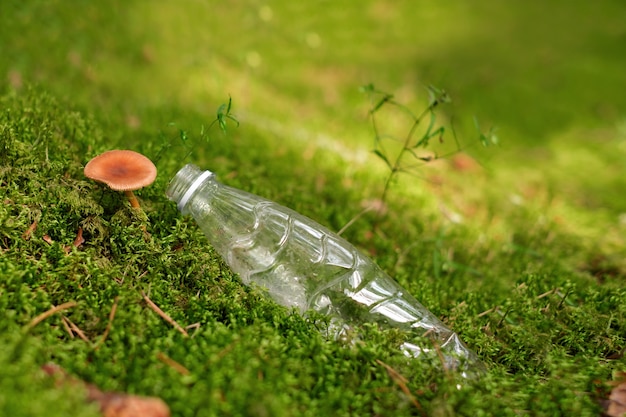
491 310
354 219
76 329
195 327
49 313
68 329
172 363
442 359
109 324
547 293
164 315
401 381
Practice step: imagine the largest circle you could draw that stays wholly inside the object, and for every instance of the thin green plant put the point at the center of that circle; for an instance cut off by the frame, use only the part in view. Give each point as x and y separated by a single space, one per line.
414 142
223 115
411 142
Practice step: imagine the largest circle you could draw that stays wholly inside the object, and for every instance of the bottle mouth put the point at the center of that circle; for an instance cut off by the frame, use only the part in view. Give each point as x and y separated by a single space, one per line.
185 183
192 188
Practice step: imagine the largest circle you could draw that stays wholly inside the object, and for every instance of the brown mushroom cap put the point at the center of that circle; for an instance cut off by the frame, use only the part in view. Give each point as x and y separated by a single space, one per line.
121 170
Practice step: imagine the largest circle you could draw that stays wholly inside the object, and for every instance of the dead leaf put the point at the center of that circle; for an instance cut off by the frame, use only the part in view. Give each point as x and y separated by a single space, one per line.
617 401
113 404
79 237
79 240
31 229
464 163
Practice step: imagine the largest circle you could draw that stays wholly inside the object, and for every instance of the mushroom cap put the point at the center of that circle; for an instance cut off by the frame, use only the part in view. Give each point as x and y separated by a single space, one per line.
121 170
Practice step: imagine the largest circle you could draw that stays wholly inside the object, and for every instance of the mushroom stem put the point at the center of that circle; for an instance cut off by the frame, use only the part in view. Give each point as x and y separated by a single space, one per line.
132 199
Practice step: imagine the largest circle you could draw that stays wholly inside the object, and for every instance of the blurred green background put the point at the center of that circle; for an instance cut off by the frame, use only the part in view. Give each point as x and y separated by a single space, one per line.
535 69
550 76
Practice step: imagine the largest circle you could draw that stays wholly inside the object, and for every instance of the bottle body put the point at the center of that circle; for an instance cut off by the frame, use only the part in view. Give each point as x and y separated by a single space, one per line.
303 265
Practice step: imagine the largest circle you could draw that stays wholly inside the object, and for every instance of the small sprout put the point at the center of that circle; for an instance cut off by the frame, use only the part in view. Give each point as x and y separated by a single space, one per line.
489 138
122 170
224 114
412 140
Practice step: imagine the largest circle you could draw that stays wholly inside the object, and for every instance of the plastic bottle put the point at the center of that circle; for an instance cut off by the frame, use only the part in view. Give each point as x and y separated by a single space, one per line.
303 265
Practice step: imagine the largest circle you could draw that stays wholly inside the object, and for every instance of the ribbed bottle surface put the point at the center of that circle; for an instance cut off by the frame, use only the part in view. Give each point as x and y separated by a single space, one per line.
303 265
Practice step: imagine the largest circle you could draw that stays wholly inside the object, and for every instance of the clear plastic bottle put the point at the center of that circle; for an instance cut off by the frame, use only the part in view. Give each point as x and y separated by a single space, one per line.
303 265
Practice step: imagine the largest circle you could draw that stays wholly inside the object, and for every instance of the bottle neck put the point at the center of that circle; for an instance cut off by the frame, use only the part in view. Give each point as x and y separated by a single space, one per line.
185 183
193 188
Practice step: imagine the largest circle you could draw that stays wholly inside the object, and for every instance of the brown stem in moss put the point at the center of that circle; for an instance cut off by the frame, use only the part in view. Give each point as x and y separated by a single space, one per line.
132 199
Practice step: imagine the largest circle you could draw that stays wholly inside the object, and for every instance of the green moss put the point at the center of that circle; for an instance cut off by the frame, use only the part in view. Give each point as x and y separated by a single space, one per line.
524 259
553 334
27 391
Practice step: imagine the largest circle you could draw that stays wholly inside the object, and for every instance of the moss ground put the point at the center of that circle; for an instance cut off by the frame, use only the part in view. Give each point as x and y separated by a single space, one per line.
522 254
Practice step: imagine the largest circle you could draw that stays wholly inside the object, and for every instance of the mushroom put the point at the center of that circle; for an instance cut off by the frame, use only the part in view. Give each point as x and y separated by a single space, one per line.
122 170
